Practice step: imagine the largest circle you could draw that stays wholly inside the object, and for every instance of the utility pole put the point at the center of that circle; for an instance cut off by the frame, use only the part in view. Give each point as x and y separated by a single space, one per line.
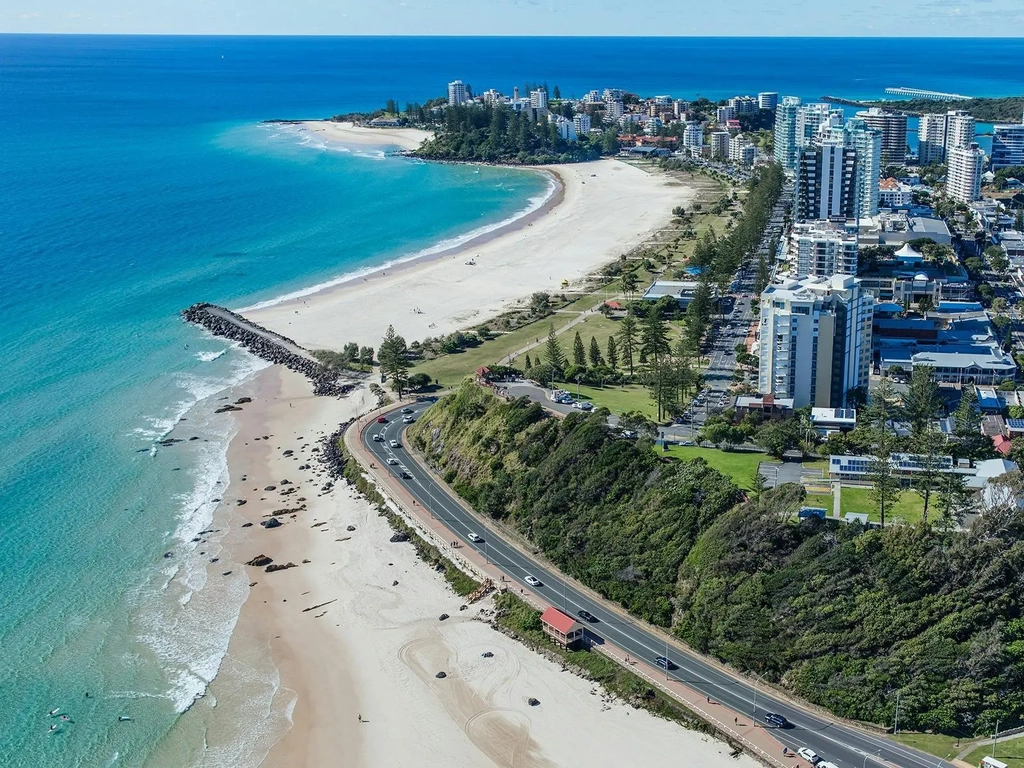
995 738
896 722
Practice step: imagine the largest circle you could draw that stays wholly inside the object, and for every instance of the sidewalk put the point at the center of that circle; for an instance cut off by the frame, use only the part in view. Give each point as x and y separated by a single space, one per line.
756 740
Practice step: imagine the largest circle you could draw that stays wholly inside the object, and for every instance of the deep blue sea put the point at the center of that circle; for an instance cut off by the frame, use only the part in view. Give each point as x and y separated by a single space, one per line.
136 179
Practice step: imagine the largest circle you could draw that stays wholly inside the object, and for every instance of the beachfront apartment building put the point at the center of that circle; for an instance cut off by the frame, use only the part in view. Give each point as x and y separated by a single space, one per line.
724 113
719 141
931 139
786 148
539 99
457 93
814 121
893 127
767 100
1007 145
741 150
960 126
823 249
743 105
613 110
581 123
693 135
963 174
825 176
815 340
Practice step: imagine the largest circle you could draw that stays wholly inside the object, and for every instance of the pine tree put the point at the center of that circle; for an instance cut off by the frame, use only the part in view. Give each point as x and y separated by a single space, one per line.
613 353
928 446
393 360
654 337
526 364
922 401
628 333
579 355
882 408
967 416
553 352
595 353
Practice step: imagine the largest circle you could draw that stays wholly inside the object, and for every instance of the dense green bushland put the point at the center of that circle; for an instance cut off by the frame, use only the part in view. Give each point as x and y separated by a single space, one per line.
608 511
1006 109
842 616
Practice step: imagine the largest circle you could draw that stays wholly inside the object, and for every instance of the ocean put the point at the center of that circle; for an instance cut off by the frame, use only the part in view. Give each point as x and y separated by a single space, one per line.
137 178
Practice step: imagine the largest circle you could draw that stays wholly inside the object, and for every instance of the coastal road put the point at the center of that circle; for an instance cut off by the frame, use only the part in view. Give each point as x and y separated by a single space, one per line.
838 743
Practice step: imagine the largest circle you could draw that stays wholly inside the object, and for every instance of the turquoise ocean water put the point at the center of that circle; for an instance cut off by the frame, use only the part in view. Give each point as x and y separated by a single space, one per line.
135 179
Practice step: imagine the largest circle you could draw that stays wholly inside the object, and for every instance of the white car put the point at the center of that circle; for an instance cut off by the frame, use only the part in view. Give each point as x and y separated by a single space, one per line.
408 420
393 443
378 438
393 461
473 537
533 581
809 755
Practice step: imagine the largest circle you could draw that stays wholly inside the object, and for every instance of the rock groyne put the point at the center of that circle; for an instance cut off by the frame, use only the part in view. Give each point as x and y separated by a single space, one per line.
266 344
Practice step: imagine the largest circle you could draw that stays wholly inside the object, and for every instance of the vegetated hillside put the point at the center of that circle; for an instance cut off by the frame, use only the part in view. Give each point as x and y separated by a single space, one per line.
609 511
842 616
985 110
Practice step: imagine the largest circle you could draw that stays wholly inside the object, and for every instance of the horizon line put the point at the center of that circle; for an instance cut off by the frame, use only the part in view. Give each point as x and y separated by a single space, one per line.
507 37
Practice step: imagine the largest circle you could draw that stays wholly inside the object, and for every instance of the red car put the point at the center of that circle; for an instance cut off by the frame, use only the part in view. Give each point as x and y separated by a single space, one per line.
381 420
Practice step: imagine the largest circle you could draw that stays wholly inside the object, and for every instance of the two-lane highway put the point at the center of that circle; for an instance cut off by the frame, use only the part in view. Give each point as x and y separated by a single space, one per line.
838 743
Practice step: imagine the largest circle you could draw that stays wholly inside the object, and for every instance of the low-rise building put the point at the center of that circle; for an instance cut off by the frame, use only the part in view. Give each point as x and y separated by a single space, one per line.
897 228
563 630
827 421
908 277
767 406
681 290
893 194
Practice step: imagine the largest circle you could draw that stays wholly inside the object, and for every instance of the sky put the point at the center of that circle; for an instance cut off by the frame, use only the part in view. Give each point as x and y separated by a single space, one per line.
832 18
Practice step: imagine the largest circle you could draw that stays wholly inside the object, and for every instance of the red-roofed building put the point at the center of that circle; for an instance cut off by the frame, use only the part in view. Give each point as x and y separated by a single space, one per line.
1002 444
563 629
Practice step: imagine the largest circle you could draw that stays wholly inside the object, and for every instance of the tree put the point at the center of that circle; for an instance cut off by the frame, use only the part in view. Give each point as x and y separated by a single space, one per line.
628 335
777 437
418 380
661 384
540 303
595 353
556 94
926 304
883 408
526 362
393 360
763 274
997 259
579 354
967 416
953 499
928 448
366 355
629 283
613 353
654 337
922 402
553 352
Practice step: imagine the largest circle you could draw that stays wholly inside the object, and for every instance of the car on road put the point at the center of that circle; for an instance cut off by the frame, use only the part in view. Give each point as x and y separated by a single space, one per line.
378 438
407 410
583 405
393 461
809 755
775 720
827 764
587 616
394 444
665 663
405 475
408 420
473 537
381 420
533 581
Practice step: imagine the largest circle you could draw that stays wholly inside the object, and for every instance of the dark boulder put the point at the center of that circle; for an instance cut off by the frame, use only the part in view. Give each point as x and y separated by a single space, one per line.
260 560
272 523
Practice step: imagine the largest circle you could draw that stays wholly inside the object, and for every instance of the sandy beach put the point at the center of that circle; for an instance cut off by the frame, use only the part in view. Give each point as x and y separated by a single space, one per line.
348 133
351 683
600 210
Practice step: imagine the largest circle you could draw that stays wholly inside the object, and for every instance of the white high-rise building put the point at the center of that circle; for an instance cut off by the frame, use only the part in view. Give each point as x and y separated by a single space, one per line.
893 128
566 129
1007 145
593 97
741 150
867 141
613 110
612 94
743 105
786 148
823 249
963 173
539 99
931 139
810 120
456 93
581 123
693 136
767 100
725 113
815 340
719 141
959 129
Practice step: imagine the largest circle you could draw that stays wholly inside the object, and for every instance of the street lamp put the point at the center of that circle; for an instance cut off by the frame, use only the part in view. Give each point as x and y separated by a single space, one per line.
868 757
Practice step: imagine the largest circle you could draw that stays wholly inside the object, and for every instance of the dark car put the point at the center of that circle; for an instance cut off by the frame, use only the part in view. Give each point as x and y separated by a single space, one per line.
665 663
587 616
405 475
775 720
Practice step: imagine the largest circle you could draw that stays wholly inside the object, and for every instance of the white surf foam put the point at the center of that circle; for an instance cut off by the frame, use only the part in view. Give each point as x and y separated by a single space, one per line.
209 357
533 204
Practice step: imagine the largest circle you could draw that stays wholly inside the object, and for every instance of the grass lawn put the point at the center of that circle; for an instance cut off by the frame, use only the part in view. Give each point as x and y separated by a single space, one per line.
821 464
632 397
819 500
909 507
1009 752
934 743
740 466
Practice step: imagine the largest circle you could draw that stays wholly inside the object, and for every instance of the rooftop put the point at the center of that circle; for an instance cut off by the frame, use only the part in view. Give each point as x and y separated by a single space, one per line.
555 618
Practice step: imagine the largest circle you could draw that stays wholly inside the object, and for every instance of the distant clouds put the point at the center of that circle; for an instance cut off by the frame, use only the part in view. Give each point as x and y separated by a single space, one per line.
833 18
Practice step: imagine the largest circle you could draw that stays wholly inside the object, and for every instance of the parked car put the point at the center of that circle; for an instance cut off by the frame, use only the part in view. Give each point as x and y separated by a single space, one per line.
775 720
587 616
665 663
394 444
473 537
533 581
809 755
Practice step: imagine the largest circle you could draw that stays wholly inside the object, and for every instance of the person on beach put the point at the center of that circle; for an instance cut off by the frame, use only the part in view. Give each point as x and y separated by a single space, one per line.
360 718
